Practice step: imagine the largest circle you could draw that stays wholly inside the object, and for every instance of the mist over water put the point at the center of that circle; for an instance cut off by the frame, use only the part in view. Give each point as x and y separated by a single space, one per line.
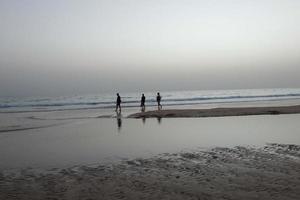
62 48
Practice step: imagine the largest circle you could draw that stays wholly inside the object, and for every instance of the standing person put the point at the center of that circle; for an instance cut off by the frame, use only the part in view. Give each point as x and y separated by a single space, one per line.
143 99
118 103
158 99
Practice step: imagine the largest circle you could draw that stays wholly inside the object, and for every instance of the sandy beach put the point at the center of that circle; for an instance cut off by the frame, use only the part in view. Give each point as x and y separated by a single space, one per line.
218 112
205 156
270 172
149 100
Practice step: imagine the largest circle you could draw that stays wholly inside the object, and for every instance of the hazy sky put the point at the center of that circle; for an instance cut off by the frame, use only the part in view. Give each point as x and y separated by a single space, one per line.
56 47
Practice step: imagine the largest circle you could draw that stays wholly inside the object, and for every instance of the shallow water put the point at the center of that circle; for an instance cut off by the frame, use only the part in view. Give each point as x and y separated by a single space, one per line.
88 141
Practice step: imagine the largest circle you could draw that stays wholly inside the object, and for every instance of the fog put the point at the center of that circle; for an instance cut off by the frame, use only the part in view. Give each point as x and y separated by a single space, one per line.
75 47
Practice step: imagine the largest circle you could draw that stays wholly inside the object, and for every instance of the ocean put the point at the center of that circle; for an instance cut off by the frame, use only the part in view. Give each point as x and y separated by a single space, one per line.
85 129
169 98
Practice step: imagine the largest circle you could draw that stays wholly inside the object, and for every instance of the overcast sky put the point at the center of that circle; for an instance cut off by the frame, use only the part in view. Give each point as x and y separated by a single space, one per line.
61 47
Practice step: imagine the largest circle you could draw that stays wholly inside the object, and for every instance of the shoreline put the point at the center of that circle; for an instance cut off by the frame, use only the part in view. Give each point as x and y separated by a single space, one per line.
217 112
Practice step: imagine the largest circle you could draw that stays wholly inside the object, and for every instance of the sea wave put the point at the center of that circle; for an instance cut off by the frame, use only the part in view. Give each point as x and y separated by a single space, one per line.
175 98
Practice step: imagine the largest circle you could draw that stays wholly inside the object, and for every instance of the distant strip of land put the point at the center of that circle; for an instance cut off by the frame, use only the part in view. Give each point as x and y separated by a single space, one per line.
218 112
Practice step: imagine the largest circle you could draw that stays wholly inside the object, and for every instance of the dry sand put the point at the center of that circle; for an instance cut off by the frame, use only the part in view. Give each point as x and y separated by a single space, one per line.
270 172
218 112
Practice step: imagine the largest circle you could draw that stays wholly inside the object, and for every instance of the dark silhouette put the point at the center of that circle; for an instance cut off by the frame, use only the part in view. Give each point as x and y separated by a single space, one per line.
159 120
143 99
158 99
144 120
118 103
119 120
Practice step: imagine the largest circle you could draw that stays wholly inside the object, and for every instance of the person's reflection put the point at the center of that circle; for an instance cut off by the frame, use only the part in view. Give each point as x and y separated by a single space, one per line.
159 120
119 120
144 120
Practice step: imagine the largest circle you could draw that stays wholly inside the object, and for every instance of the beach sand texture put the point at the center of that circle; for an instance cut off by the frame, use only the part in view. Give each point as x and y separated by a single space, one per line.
234 173
269 172
218 112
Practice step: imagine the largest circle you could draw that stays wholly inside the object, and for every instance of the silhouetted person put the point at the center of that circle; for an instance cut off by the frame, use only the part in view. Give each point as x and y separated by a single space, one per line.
118 103
158 99
143 99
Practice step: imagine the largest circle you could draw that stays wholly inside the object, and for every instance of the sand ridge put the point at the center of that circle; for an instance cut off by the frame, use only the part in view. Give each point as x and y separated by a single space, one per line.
218 112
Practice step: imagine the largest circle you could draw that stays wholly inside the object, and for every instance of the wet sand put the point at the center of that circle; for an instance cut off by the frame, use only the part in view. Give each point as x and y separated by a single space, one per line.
269 172
218 112
81 137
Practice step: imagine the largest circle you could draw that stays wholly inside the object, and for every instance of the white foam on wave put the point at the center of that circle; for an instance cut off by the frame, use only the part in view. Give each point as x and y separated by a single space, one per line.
133 99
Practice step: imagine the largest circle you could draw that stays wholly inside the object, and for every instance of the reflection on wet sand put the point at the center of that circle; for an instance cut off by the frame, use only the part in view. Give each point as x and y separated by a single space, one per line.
159 120
119 120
